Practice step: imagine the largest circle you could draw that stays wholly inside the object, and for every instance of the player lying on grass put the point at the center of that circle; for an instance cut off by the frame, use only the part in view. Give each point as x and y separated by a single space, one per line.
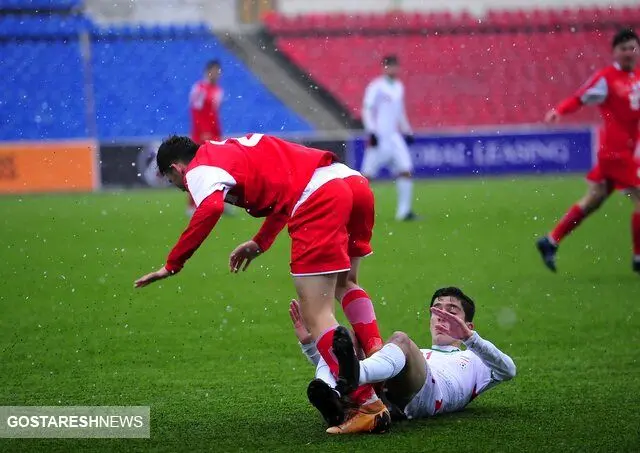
616 91
329 211
417 382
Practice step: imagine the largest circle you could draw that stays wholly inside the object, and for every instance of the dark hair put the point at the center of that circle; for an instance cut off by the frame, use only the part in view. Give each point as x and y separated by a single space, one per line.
467 303
212 64
623 36
389 60
174 149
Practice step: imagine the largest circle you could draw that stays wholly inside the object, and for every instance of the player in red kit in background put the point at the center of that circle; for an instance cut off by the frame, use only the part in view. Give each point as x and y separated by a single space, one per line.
204 104
616 91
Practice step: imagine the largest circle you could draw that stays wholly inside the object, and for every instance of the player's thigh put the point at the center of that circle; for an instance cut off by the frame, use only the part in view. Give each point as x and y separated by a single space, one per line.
318 231
361 218
315 295
401 157
402 388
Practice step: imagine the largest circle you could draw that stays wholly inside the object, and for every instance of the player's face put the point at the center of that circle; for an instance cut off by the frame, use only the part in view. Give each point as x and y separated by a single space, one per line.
213 74
626 54
391 70
453 306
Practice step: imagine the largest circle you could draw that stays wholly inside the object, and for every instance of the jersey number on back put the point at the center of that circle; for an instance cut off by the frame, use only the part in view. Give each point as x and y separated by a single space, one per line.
244 141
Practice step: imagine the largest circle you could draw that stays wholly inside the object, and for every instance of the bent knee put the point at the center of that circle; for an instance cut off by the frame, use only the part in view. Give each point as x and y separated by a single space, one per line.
401 339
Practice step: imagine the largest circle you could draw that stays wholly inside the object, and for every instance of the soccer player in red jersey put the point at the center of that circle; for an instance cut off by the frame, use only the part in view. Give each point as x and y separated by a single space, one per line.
205 98
616 91
329 211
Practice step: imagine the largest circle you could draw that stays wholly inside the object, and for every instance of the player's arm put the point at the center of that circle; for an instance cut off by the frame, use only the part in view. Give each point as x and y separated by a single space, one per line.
246 252
208 187
305 340
501 365
593 92
368 112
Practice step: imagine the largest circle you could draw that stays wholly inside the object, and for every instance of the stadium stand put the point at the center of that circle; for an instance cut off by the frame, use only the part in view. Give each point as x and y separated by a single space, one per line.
458 69
46 80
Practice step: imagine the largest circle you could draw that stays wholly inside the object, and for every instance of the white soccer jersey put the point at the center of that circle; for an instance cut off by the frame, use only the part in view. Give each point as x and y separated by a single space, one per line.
455 377
383 110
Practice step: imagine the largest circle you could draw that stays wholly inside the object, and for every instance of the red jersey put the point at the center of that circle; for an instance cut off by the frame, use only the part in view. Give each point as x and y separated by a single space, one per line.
204 102
617 94
263 174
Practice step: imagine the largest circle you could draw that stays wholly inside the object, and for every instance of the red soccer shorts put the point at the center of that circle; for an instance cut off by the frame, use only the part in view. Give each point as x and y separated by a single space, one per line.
623 173
334 224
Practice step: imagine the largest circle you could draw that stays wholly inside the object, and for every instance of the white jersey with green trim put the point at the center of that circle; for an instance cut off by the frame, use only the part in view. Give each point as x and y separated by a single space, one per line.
455 377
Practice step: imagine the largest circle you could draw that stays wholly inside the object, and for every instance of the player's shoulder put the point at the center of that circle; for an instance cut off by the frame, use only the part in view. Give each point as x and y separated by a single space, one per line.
376 82
608 72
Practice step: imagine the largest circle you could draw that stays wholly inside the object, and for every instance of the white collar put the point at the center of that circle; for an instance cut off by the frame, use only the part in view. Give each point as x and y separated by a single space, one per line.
445 348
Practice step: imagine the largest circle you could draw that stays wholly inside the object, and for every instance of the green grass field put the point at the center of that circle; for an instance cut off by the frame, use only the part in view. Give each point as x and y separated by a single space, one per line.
214 356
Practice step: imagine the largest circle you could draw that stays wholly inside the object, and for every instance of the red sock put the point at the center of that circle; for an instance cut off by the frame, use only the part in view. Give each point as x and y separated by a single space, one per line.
568 223
635 234
358 308
324 344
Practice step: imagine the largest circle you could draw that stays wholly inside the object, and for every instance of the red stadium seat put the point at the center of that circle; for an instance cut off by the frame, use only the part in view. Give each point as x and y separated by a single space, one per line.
460 78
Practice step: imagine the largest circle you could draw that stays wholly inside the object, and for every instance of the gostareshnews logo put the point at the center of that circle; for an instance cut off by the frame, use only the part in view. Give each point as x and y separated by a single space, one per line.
75 421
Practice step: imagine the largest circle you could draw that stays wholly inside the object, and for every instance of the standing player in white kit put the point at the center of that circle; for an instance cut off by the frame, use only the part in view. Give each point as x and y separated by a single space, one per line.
385 121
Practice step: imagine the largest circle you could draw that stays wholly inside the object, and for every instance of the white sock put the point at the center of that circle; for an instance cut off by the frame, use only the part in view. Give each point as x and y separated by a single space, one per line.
324 373
404 186
383 365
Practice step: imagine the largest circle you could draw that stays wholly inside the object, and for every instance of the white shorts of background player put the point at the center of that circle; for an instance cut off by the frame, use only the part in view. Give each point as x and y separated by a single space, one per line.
392 153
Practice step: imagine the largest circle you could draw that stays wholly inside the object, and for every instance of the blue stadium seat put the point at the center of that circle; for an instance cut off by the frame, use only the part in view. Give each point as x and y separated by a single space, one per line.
141 80
43 93
142 86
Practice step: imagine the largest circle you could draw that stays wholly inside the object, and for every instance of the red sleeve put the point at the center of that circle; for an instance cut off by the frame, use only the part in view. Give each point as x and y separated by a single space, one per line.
269 230
201 224
593 91
569 105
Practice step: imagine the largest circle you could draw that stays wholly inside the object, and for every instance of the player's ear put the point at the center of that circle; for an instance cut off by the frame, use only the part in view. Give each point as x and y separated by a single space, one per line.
469 325
177 167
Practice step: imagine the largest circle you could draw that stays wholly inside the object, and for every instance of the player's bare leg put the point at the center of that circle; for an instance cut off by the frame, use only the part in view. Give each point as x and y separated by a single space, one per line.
597 194
358 309
316 295
405 385
634 195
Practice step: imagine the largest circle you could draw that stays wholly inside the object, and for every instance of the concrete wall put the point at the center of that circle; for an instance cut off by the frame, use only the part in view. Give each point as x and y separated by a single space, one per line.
220 14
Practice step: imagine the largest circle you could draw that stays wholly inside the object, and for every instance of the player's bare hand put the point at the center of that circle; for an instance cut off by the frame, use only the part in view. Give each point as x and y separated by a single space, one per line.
451 325
552 116
299 327
242 256
152 277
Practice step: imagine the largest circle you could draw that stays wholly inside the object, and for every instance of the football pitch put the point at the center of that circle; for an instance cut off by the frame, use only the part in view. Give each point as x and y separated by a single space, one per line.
214 354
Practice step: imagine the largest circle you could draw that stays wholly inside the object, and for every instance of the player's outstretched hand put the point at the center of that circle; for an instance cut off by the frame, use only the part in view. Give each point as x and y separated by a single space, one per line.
451 325
243 254
152 277
552 116
299 327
